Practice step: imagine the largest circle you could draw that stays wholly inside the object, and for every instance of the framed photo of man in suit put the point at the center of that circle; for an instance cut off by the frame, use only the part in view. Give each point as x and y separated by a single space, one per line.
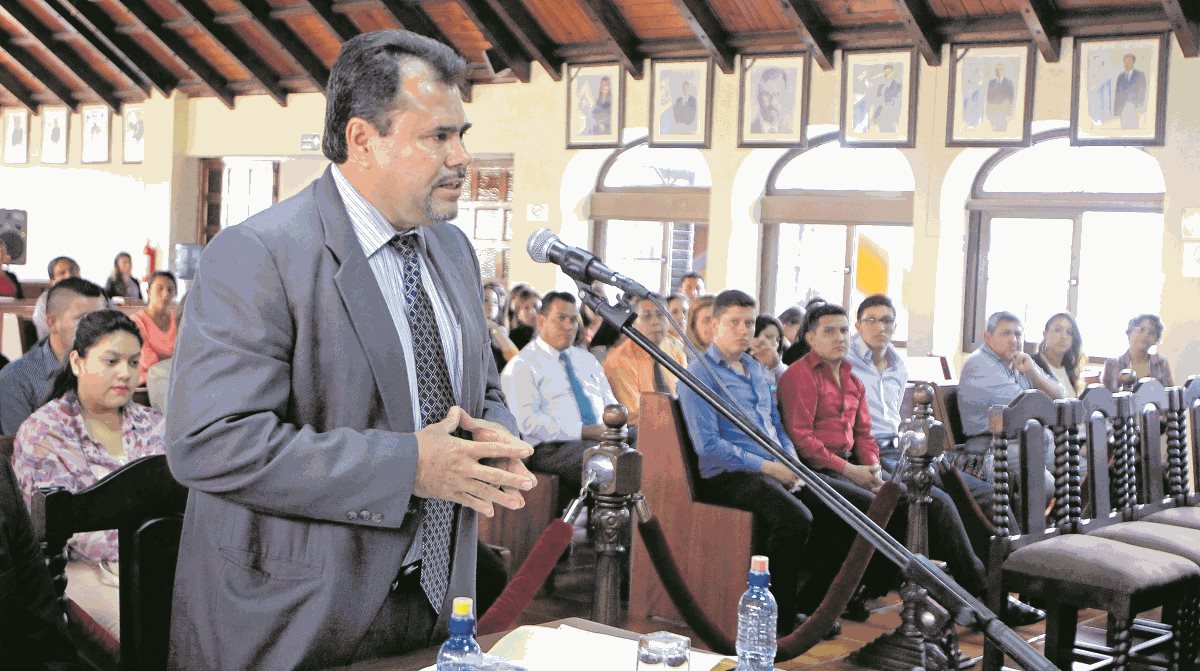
680 103
595 105
16 135
134 130
1119 90
55 122
991 95
879 98
773 105
96 127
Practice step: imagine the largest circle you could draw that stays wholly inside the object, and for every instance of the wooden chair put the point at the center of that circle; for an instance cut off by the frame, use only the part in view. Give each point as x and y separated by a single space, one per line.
28 332
717 539
6 448
1064 568
945 410
519 530
145 505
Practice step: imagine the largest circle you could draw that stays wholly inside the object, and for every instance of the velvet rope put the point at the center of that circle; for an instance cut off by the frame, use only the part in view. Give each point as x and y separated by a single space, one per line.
525 584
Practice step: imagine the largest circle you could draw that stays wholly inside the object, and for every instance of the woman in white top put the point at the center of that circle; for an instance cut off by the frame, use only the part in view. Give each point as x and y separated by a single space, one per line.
1061 353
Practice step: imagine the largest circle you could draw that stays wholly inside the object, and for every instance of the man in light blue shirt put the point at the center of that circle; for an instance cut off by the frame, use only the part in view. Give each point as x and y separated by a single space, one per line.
737 472
882 371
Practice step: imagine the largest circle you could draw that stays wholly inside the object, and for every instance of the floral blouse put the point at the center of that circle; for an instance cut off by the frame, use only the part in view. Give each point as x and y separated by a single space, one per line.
53 448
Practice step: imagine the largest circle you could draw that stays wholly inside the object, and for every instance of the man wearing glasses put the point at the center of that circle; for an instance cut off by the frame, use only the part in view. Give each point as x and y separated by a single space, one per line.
881 369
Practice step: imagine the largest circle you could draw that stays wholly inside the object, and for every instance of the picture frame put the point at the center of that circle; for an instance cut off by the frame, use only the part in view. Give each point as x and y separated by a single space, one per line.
55 128
681 103
595 105
1119 90
991 95
16 136
879 98
773 101
97 130
133 130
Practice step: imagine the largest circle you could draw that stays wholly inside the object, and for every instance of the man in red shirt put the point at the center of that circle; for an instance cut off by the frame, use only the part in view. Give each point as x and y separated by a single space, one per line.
825 412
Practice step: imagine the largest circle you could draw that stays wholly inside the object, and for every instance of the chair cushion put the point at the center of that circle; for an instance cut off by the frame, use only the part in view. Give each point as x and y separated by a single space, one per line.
92 591
1180 517
1099 562
1179 541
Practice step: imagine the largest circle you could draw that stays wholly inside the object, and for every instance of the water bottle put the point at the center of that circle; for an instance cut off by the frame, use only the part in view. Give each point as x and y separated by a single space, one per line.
460 652
757 616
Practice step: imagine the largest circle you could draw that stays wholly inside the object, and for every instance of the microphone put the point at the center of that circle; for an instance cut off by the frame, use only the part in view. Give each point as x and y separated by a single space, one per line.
579 264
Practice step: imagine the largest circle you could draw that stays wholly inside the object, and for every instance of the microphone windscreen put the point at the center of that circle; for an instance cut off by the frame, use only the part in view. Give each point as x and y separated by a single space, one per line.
539 243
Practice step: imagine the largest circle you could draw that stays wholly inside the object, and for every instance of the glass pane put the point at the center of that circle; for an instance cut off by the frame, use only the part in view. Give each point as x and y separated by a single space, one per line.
1054 166
642 166
508 223
508 191
882 260
465 194
829 166
488 224
636 248
487 262
1029 269
491 182
811 263
1120 276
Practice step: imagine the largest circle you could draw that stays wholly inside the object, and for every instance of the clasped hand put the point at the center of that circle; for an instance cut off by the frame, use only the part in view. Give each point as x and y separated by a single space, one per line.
478 473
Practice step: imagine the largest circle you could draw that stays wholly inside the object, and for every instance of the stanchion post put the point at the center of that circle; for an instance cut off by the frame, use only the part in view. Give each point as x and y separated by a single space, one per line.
614 471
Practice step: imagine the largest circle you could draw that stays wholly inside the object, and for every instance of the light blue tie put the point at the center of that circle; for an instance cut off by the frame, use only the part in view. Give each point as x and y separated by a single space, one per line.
587 414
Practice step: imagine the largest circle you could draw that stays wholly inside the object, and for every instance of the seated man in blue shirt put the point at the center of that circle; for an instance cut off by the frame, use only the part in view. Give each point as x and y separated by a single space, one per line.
737 472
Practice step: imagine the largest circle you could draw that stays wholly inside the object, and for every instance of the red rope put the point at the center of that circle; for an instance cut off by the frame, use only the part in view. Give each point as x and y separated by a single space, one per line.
525 584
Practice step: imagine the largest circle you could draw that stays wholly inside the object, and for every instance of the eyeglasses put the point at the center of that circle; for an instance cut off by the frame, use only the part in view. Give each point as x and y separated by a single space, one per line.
1147 330
886 322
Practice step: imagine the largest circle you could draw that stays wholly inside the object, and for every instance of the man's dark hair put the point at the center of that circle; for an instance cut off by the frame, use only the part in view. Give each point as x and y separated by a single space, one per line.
549 299
732 298
773 72
824 310
57 260
365 81
689 275
71 285
1002 316
873 301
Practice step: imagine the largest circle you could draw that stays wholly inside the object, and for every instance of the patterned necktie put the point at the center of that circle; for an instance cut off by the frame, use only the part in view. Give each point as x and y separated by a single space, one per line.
435 394
587 414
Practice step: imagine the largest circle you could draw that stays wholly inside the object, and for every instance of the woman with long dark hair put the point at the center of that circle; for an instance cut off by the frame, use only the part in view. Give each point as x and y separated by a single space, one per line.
523 306
1061 353
157 322
767 346
90 425
121 282
495 310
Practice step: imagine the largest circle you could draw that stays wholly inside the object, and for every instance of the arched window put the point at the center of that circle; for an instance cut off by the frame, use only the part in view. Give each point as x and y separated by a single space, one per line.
837 223
1059 228
650 213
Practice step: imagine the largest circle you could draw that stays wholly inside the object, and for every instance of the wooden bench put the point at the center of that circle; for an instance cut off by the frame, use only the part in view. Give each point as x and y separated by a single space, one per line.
712 544
519 530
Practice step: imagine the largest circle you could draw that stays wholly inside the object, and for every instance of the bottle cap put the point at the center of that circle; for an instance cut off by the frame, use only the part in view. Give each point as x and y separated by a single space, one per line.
462 605
758 563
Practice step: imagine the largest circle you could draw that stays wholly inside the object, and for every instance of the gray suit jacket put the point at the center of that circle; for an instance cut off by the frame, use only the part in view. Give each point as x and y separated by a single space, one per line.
291 423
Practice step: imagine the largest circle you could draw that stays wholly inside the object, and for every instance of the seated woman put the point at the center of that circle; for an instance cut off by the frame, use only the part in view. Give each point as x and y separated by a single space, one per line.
10 286
494 306
701 327
90 426
523 307
767 346
1144 332
1061 353
157 323
121 282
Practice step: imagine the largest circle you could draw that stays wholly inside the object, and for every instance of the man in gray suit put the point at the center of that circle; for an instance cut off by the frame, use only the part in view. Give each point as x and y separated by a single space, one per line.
335 407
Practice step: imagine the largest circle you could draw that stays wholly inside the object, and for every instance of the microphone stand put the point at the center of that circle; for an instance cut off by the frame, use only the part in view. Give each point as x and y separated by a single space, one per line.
966 609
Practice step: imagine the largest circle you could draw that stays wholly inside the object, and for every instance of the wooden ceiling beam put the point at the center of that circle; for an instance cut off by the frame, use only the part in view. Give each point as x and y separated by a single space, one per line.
118 47
813 28
43 36
921 26
707 27
48 79
530 34
1185 27
1039 18
341 26
288 41
237 47
605 14
504 44
10 83
182 50
414 19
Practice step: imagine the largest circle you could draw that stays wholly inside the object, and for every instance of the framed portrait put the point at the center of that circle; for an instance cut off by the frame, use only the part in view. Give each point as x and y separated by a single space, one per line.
680 103
879 98
54 134
95 134
991 95
133 127
1119 90
16 136
595 105
773 101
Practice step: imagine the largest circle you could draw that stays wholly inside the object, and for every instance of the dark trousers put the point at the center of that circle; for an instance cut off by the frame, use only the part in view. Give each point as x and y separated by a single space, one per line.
801 535
948 539
404 622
